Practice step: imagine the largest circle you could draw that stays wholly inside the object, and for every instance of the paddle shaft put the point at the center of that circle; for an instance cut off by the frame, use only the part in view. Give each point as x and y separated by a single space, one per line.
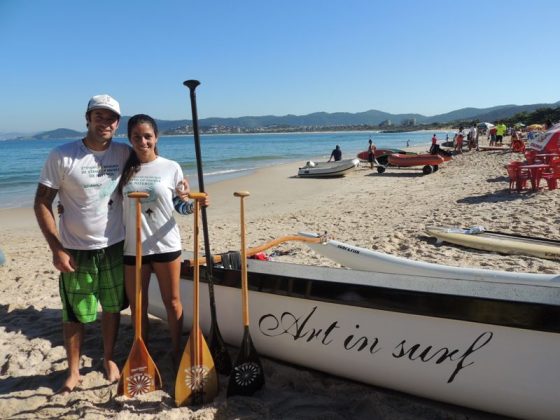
196 289
192 84
244 283
138 268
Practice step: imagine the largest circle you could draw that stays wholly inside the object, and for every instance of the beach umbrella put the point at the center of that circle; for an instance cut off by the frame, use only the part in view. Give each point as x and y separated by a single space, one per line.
534 127
548 141
519 125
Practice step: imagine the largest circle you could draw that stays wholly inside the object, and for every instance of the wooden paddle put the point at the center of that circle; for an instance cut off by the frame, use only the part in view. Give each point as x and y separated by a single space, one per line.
197 379
217 344
140 374
247 375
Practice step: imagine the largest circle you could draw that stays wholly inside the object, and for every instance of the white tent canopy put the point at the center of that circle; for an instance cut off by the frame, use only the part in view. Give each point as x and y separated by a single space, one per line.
486 125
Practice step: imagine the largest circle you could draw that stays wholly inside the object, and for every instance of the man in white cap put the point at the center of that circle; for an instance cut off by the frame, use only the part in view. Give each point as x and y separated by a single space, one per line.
88 246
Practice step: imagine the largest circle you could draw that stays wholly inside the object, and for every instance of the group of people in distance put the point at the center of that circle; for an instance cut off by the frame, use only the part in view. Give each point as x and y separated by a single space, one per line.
94 244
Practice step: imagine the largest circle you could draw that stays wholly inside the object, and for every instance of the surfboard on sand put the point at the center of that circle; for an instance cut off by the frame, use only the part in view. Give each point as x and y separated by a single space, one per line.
505 243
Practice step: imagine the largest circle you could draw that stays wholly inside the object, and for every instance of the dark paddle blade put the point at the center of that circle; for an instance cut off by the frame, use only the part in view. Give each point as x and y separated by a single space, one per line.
140 374
247 376
197 379
220 353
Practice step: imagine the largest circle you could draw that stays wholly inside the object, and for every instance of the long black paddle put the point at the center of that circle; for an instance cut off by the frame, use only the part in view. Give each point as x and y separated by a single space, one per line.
217 346
247 376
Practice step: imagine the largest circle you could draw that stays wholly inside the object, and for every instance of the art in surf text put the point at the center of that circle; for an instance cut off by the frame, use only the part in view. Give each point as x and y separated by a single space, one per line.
305 328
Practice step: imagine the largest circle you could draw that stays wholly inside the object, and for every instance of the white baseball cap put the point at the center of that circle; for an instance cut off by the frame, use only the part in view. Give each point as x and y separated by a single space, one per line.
104 102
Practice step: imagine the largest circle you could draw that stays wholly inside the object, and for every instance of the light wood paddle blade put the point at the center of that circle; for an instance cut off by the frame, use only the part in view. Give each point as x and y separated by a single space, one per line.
247 375
197 381
140 374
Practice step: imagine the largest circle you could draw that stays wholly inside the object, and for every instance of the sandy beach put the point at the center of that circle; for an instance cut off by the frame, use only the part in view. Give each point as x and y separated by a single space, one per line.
385 212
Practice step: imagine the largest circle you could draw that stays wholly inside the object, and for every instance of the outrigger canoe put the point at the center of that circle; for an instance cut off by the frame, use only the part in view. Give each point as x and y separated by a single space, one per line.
487 344
358 258
503 243
328 169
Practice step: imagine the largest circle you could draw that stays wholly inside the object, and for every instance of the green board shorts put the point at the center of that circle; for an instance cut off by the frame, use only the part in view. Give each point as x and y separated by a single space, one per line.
98 278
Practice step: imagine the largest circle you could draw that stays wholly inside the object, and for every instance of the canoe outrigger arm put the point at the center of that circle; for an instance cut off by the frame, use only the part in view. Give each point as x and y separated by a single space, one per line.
217 259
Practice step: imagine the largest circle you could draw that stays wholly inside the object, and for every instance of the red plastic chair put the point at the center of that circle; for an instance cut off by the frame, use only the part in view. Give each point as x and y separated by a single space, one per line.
530 156
517 177
551 177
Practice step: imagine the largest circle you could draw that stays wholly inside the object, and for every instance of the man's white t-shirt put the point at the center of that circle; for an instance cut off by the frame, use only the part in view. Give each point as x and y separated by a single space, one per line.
86 181
160 233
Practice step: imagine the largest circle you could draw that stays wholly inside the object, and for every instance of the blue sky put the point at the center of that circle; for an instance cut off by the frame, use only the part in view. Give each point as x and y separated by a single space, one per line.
256 57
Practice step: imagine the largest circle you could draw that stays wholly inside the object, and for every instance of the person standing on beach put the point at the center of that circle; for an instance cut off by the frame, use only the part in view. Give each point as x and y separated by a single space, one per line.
87 247
500 133
492 133
459 141
336 154
473 138
371 153
146 171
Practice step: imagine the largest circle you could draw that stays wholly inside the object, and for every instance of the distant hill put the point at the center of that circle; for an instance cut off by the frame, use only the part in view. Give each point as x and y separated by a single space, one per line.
321 119
59 133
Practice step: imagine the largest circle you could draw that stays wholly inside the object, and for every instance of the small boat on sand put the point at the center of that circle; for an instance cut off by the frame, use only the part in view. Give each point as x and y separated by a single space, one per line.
484 343
430 163
382 155
504 243
328 169
415 160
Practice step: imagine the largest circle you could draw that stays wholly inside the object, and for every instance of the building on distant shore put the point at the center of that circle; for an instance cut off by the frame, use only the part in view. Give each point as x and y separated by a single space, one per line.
408 122
385 123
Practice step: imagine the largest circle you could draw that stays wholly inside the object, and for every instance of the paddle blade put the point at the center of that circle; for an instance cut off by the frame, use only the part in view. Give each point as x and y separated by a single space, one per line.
220 354
197 379
247 376
140 374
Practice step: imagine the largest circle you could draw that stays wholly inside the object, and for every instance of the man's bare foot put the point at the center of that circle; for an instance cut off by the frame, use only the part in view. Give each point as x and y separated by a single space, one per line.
71 382
111 371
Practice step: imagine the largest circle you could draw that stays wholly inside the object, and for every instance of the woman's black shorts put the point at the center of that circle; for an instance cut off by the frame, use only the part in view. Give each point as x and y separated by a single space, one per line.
158 258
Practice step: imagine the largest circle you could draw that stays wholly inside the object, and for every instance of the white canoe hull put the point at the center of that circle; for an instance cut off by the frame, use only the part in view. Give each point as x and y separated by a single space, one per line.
496 242
328 169
357 258
496 368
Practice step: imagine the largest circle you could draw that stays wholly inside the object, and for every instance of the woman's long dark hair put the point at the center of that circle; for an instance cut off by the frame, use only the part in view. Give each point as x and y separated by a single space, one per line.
132 164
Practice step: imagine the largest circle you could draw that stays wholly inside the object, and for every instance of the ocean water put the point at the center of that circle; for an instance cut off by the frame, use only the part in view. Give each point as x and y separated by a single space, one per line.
223 156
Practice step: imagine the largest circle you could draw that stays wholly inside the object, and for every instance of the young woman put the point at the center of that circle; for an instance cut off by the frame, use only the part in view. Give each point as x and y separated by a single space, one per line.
162 178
